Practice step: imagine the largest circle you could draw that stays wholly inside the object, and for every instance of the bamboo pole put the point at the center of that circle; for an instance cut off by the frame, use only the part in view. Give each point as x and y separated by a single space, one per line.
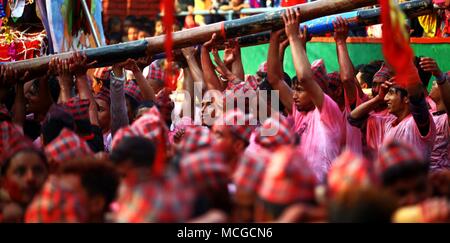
324 25
356 19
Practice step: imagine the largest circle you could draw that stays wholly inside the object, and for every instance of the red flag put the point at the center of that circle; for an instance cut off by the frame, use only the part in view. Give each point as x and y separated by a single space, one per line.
168 21
396 49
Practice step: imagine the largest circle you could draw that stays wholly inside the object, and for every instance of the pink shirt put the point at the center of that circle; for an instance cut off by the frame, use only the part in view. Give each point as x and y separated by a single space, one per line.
321 135
441 150
406 131
353 135
374 135
431 104
178 125
253 147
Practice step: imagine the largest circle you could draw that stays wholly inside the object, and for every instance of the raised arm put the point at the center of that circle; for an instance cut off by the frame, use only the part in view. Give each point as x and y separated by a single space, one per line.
345 64
18 108
65 78
274 63
209 75
195 71
442 79
78 66
147 91
274 71
119 114
222 69
236 65
189 54
417 103
283 46
297 41
188 85
363 110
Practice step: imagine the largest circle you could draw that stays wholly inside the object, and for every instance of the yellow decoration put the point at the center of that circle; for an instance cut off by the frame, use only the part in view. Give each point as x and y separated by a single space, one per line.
9 37
428 23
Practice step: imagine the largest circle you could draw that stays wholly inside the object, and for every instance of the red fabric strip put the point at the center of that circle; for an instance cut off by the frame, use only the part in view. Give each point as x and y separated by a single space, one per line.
168 21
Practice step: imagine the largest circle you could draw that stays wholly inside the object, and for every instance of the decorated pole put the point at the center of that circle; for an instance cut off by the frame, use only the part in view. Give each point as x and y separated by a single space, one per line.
355 19
108 55
324 25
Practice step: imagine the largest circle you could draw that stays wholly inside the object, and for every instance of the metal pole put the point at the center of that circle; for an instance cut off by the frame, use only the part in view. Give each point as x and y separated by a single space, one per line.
87 12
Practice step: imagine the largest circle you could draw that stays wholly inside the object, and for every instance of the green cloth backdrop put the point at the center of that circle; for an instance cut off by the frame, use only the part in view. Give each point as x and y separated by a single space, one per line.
360 53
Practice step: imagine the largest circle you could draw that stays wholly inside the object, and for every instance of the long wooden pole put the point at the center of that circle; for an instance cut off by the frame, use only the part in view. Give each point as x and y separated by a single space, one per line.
324 25
108 55
356 19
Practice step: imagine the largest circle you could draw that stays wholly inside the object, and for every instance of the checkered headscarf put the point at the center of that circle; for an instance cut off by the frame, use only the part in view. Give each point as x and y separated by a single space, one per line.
133 91
234 91
320 74
251 79
4 113
101 76
67 146
122 133
206 169
104 94
78 108
349 170
280 133
156 71
334 79
288 179
395 153
149 125
195 138
263 67
249 84
12 141
384 73
56 204
238 123
250 169
156 201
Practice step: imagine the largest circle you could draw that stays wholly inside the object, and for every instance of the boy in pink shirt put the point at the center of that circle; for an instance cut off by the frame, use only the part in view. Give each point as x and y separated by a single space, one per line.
412 122
315 113
344 88
440 94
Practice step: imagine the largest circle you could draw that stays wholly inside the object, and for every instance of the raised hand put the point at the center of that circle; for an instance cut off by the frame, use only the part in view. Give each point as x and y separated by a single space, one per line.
7 74
78 64
384 89
231 51
430 65
221 68
340 29
291 19
131 65
211 43
178 135
144 61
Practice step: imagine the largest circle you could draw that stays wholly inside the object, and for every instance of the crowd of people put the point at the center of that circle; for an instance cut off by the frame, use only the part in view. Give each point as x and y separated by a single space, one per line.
112 145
